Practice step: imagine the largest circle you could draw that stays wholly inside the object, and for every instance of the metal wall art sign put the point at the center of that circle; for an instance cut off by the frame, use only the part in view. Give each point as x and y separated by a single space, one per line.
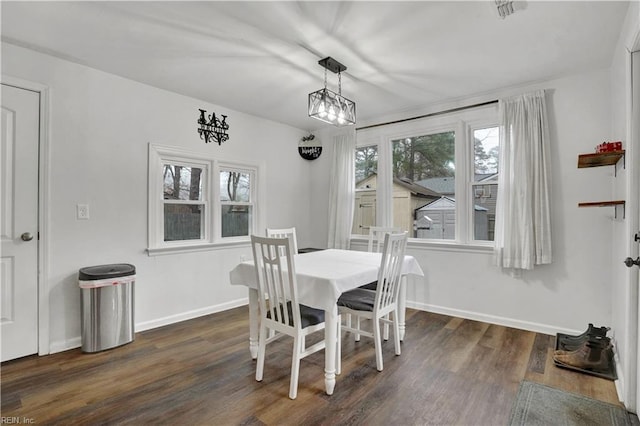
213 130
309 148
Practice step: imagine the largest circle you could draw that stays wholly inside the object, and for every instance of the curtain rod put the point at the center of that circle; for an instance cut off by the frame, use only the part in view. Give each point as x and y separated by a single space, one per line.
431 114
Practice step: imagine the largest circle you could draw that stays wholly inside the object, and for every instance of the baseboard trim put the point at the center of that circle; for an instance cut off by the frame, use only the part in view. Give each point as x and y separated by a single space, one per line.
492 319
620 385
184 316
76 342
64 345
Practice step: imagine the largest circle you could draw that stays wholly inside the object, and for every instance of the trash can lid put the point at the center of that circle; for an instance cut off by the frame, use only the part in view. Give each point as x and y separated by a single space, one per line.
100 272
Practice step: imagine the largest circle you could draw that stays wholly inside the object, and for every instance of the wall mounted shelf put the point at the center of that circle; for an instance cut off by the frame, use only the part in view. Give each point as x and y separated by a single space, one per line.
599 159
602 203
615 204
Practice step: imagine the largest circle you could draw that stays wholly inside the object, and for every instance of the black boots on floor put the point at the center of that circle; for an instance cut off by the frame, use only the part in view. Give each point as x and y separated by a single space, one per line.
590 352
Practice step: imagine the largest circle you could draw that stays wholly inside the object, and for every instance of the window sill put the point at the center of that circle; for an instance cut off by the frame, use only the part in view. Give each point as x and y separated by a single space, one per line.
419 244
161 251
449 246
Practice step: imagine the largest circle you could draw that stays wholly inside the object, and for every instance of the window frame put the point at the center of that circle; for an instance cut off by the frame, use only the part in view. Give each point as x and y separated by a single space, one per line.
205 201
360 191
472 126
253 173
462 123
212 234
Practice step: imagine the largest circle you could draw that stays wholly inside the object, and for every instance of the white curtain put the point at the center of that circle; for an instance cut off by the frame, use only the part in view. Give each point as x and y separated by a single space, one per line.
523 225
342 190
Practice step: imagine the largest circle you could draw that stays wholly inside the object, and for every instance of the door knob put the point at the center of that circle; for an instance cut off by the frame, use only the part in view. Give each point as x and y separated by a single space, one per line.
26 236
630 262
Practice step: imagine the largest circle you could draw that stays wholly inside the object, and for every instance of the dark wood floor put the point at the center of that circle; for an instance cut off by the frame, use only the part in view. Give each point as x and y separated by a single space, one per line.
199 372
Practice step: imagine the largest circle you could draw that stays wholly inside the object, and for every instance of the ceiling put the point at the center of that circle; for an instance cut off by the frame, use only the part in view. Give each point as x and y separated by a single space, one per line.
262 57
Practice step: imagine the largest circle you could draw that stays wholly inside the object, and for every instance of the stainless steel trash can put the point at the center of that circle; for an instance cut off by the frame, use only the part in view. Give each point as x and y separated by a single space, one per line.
107 301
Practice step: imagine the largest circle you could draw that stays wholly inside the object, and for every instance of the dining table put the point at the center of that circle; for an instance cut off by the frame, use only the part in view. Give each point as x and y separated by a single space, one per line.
322 276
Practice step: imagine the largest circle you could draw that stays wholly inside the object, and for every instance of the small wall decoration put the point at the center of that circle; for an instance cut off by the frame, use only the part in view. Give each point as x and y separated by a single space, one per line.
309 148
213 130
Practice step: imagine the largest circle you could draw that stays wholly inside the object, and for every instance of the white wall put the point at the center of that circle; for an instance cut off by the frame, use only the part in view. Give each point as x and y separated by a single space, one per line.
100 127
576 288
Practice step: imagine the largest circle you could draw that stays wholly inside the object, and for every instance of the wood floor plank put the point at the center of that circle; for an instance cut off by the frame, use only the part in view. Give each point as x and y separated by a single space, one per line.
451 371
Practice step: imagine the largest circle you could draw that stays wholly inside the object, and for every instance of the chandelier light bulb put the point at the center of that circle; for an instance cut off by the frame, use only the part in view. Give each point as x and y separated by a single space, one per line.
321 110
332 113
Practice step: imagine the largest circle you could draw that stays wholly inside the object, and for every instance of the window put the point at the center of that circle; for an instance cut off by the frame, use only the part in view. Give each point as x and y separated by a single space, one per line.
444 177
424 193
184 205
484 187
196 202
236 202
364 215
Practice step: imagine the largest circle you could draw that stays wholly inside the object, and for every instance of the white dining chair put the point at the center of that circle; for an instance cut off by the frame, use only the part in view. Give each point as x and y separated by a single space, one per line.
375 245
285 232
279 307
376 237
381 305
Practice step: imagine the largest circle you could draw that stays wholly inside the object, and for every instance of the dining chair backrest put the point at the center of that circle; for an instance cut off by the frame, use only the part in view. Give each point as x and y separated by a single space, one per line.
285 232
390 272
276 280
376 237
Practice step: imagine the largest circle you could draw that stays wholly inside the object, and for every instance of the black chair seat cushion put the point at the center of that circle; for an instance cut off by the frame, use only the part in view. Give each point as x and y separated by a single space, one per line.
358 299
371 286
308 315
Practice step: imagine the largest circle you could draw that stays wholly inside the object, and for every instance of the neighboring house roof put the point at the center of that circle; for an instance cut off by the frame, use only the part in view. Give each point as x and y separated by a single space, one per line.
415 188
412 187
443 185
441 203
446 203
447 185
365 183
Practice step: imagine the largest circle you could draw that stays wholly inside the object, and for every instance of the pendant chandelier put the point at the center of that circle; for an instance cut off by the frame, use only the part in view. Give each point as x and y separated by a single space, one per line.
328 106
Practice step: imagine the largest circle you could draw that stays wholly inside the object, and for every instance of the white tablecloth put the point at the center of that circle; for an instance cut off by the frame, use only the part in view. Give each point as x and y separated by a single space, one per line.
324 275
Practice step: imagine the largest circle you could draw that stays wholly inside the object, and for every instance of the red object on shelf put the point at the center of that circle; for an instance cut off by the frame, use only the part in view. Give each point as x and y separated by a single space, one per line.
609 146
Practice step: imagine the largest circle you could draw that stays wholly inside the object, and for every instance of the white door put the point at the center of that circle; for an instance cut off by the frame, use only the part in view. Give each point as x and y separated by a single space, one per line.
634 210
19 222
364 215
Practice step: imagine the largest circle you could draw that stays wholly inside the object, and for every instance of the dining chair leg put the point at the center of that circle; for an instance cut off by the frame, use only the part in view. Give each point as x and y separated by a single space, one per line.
261 352
295 367
339 347
396 332
386 329
357 336
377 339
